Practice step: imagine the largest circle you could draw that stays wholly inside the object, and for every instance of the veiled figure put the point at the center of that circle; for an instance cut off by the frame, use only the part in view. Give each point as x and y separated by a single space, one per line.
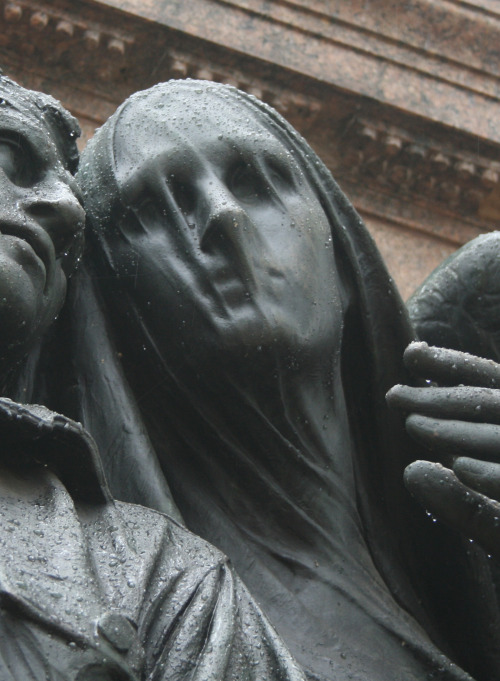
91 589
234 334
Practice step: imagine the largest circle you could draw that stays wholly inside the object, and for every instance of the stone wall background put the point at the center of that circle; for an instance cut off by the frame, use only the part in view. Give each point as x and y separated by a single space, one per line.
399 98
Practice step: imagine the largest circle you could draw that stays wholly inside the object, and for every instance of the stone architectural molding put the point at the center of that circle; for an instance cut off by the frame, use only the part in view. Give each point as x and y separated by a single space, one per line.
393 159
406 120
63 37
402 55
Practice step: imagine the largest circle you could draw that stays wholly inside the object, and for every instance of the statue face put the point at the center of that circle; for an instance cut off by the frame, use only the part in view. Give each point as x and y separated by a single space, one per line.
40 216
226 242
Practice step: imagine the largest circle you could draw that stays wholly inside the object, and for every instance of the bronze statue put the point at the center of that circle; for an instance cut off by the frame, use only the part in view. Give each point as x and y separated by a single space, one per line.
91 589
235 312
41 218
458 307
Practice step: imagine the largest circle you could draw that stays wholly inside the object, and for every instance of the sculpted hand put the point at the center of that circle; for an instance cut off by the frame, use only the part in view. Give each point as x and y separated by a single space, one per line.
464 498
459 422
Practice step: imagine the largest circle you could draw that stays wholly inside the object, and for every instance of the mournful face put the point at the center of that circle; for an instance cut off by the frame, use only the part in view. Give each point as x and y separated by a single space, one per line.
40 217
223 243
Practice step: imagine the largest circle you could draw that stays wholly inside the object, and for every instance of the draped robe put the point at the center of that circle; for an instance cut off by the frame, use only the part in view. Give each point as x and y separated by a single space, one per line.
97 589
430 577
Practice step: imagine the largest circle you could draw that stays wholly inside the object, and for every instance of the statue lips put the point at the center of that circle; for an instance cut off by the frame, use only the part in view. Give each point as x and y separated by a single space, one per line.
229 283
40 247
230 270
233 280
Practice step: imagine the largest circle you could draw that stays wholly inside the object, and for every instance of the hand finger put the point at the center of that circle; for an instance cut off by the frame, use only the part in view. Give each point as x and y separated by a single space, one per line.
462 402
442 494
27 421
450 367
481 476
481 440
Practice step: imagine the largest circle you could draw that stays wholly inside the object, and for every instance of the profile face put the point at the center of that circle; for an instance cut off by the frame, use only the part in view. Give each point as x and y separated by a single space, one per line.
225 241
40 217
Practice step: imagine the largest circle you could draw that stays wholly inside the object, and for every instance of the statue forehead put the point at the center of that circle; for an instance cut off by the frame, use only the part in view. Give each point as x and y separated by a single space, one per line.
19 111
26 106
162 117
25 127
42 118
26 122
184 98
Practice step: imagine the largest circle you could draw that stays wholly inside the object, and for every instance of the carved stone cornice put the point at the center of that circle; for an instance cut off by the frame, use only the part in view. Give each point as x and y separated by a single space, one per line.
439 59
112 55
62 37
326 65
394 160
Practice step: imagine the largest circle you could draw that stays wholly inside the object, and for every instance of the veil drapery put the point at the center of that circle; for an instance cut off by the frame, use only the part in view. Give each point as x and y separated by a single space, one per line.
443 582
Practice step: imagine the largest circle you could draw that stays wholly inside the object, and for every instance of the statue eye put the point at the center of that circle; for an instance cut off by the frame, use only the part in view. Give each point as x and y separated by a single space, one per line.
246 184
16 162
280 174
144 217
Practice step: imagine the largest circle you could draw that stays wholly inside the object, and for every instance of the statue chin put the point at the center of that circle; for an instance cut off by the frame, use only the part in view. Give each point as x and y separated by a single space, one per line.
243 337
27 304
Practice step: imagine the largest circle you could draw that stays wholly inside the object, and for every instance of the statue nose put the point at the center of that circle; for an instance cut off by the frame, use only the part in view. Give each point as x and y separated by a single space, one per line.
223 219
61 216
